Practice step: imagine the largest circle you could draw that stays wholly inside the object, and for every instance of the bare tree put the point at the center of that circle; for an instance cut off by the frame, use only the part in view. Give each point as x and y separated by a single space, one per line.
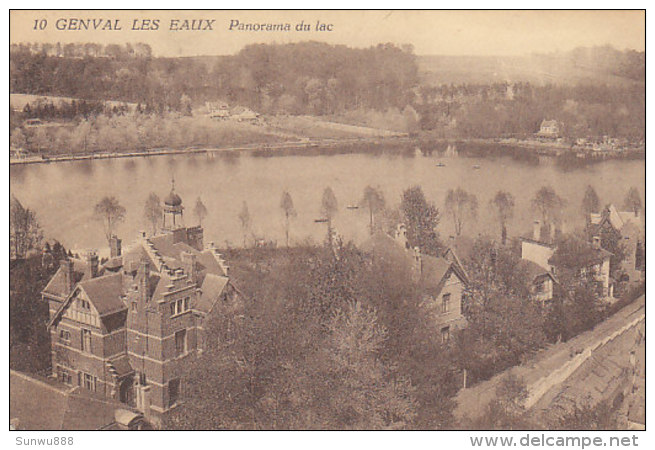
244 218
632 201
373 200
24 231
152 211
110 213
503 206
329 206
461 206
200 211
590 202
286 204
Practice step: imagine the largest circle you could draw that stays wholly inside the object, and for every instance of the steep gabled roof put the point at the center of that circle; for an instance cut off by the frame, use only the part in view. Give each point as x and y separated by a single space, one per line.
57 285
212 288
104 293
533 270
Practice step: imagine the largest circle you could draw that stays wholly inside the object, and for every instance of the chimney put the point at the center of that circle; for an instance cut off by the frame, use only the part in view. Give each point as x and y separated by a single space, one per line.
536 230
91 267
596 242
144 280
114 246
190 266
67 269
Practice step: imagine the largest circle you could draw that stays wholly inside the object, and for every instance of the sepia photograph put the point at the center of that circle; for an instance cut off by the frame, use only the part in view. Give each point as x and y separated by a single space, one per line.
328 220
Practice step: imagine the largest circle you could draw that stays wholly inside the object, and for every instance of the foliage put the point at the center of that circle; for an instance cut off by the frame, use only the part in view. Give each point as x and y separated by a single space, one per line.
373 200
245 221
461 206
549 205
506 411
110 213
503 207
421 219
29 340
632 201
289 211
152 211
329 206
24 231
590 202
200 211
504 323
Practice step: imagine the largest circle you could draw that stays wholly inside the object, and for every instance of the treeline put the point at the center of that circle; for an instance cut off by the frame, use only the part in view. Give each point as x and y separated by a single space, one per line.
517 110
134 132
302 78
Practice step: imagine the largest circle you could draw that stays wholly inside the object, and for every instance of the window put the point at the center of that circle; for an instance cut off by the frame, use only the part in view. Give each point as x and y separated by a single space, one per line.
180 342
65 337
88 381
142 379
445 335
134 307
445 303
64 375
179 306
86 340
173 391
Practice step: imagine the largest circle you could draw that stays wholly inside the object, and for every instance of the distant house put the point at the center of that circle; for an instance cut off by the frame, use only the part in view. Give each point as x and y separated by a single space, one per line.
39 403
217 110
241 113
549 129
629 226
544 253
542 281
593 260
441 279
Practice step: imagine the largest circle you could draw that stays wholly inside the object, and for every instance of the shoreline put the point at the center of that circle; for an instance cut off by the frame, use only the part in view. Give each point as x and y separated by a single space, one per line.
537 148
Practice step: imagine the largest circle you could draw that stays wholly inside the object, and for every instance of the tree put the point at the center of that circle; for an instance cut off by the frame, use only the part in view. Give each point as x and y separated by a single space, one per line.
507 410
590 203
152 211
461 206
549 205
503 206
244 219
110 213
24 230
200 211
361 388
373 200
329 206
286 204
421 220
632 201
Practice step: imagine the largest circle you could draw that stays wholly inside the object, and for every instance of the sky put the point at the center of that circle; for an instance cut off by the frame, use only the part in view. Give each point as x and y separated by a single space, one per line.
430 32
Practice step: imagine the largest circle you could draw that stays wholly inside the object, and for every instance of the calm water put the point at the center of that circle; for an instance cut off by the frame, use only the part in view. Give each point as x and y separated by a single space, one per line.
64 194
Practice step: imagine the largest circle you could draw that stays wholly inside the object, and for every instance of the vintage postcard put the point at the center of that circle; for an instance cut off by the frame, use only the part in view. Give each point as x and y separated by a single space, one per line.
327 220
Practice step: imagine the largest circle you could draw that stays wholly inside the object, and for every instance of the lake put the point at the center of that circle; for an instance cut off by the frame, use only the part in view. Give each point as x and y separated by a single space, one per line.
63 194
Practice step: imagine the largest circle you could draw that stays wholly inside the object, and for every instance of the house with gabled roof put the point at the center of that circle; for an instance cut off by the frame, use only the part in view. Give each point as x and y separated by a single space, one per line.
441 279
629 226
126 329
